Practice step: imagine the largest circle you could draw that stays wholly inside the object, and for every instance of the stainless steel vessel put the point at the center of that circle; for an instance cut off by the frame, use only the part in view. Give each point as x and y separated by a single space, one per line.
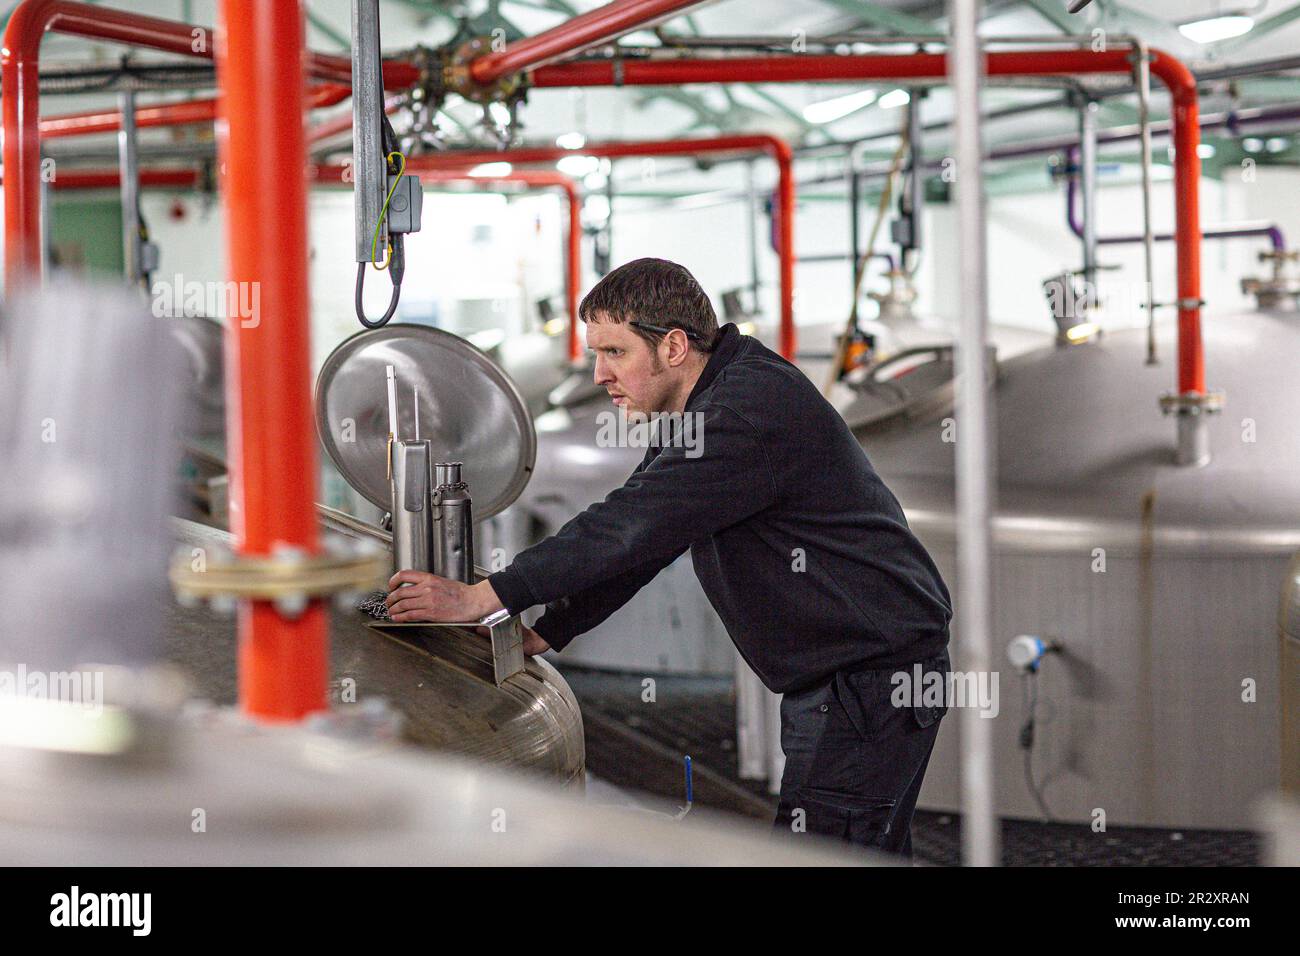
453 524
1159 580
440 681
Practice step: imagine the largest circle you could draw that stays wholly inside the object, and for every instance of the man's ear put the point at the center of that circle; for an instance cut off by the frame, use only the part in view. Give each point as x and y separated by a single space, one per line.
679 347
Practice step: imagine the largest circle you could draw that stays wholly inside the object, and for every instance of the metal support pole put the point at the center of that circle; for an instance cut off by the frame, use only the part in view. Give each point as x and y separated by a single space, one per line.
1148 238
751 194
129 189
855 227
975 440
369 166
916 176
1088 189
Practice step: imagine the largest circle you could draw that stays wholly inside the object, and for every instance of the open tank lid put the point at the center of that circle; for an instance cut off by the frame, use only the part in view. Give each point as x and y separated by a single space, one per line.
470 411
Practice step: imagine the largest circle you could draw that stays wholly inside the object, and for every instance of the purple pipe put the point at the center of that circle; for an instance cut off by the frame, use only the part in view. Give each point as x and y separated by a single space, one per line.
1231 231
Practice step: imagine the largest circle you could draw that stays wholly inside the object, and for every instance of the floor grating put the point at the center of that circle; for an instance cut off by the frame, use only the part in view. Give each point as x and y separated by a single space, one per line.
638 744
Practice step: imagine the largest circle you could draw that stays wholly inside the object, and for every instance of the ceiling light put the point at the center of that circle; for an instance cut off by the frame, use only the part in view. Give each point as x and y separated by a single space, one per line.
578 165
894 98
491 169
828 111
1216 28
1204 150
574 140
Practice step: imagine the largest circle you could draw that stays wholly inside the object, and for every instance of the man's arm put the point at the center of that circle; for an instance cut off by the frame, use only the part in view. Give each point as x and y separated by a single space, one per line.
652 518
621 542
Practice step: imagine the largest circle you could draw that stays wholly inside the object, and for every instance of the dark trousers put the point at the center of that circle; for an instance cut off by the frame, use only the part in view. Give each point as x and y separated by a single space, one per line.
855 758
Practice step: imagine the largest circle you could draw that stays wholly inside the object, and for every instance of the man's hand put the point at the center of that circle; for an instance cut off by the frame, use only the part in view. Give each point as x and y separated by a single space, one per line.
419 596
534 643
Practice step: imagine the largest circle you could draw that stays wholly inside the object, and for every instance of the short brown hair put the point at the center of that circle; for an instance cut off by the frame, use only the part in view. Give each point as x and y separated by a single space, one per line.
657 292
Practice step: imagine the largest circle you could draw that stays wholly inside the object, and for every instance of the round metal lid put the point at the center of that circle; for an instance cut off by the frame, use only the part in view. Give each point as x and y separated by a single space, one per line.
470 412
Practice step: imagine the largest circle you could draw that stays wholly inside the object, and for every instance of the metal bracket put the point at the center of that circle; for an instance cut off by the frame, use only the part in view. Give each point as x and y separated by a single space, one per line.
1193 403
289 577
505 639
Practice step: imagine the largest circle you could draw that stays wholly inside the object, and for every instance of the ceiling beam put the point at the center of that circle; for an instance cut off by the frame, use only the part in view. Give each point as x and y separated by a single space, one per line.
884 18
1261 29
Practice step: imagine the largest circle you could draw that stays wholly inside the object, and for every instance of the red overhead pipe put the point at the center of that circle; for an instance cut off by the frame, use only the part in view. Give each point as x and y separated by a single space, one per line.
19 77
933 66
111 179
777 148
575 35
180 113
528 177
109 121
283 660
331 127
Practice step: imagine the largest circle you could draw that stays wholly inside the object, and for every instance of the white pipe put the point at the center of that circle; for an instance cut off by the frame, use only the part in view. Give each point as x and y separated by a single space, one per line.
975 438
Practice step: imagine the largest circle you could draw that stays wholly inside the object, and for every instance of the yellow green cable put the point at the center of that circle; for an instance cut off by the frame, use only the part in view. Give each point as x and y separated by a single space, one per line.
383 212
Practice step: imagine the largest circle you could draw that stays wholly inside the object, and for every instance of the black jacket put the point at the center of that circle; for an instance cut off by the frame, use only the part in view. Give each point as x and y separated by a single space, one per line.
800 547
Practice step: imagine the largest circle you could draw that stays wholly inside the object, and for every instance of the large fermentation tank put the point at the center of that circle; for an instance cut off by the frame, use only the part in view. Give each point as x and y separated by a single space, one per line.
1160 581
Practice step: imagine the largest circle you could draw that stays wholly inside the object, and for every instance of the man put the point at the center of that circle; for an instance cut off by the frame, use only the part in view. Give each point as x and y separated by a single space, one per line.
800 547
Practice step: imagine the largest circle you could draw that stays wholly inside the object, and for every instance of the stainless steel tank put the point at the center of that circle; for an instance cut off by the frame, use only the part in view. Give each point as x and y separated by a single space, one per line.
1159 580
440 681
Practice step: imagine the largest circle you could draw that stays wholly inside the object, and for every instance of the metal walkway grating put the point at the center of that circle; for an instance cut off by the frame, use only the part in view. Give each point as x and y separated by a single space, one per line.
638 745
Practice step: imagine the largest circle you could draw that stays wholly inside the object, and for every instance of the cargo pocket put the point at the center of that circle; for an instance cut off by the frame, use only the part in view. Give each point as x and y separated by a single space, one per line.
862 821
864 698
927 714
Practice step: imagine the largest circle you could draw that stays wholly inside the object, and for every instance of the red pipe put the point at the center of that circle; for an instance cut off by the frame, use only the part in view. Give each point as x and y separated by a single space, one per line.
777 148
933 66
283 661
111 179
331 175
168 114
340 123
19 77
575 35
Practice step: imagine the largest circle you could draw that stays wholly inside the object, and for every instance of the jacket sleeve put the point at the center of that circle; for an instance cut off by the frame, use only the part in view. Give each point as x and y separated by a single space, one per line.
604 555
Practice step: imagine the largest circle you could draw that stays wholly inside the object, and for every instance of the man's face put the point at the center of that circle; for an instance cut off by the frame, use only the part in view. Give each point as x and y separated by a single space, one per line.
637 377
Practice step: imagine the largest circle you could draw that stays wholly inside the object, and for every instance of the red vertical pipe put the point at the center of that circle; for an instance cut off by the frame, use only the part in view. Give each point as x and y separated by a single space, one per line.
785 202
1187 218
575 270
283 661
